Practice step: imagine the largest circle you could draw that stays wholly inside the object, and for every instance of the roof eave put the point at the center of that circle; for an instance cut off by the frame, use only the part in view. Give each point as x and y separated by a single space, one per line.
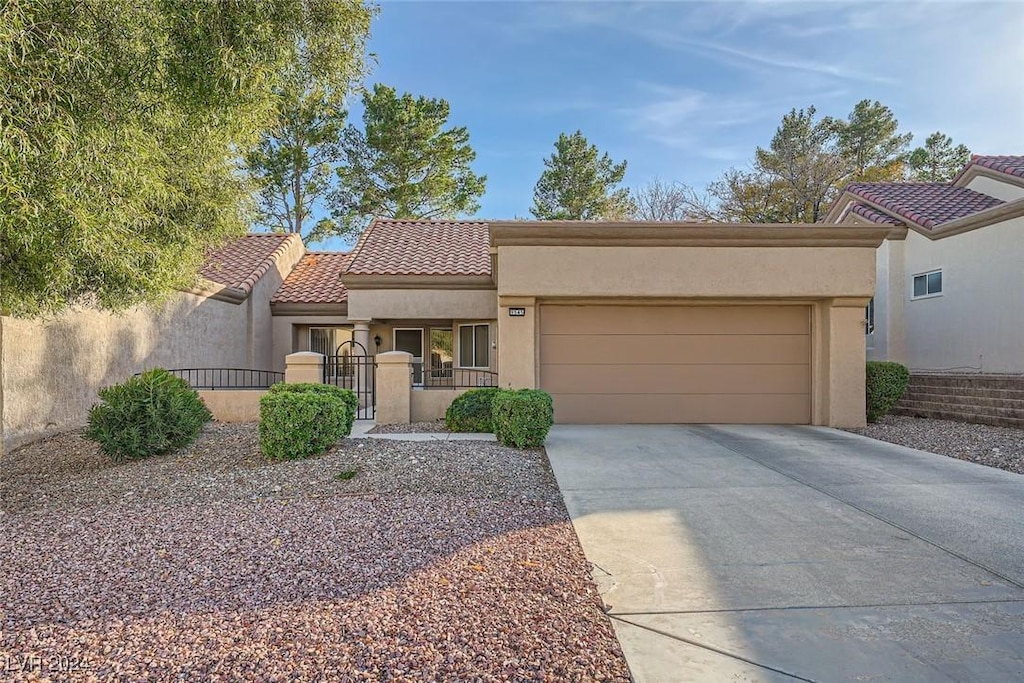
654 234
394 281
309 308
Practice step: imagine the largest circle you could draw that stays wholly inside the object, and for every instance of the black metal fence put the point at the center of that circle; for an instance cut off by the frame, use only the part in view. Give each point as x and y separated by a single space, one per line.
447 377
355 372
228 378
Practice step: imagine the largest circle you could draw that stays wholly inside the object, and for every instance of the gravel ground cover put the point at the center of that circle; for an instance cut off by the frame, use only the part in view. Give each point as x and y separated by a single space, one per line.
379 561
1001 447
436 427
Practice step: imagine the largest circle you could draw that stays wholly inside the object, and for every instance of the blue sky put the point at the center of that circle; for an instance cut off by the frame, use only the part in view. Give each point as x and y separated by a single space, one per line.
685 90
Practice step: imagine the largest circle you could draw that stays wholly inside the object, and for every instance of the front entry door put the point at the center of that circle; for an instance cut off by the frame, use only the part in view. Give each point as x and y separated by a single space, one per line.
410 340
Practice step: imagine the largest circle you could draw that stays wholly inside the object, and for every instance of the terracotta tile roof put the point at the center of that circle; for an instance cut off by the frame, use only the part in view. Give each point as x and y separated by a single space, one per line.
1010 165
240 264
865 211
927 204
410 247
316 279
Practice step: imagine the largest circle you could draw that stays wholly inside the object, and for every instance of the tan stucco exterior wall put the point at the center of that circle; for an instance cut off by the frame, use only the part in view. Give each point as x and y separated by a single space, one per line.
836 281
425 304
994 188
976 324
552 271
427 405
51 370
233 405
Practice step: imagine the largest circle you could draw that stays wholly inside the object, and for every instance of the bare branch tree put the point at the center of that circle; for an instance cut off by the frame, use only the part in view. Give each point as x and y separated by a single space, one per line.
670 201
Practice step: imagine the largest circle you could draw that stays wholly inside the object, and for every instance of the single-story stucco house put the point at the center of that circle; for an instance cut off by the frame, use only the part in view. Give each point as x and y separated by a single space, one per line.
948 295
948 303
620 322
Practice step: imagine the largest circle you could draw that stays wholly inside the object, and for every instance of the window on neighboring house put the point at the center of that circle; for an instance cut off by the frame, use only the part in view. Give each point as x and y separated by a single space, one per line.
927 284
474 346
869 317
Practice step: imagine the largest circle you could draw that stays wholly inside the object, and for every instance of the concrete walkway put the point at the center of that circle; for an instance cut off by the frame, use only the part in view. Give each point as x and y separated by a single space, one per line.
797 553
361 428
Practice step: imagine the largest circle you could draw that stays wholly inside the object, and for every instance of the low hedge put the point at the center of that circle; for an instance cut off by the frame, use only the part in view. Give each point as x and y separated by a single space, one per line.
885 385
151 413
302 420
522 418
347 395
471 411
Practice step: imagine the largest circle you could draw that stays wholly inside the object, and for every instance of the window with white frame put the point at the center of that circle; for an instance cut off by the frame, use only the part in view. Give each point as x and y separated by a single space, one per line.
927 284
474 346
869 317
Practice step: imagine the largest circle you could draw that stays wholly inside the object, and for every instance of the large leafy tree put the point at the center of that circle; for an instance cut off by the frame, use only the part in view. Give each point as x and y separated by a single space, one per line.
120 128
404 163
870 143
750 197
579 183
939 160
804 155
294 162
808 162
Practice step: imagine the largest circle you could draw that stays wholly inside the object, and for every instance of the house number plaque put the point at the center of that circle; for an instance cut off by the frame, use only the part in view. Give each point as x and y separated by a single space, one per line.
516 312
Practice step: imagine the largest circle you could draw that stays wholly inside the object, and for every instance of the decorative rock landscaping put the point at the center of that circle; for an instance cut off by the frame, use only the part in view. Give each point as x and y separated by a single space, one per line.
1001 447
381 560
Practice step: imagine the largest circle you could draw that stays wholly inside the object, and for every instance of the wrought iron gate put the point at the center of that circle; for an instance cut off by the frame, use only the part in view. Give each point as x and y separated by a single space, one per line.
352 368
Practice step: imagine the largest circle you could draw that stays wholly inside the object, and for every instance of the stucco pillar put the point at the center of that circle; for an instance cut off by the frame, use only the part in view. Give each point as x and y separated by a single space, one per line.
846 356
518 352
394 386
361 335
304 366
895 328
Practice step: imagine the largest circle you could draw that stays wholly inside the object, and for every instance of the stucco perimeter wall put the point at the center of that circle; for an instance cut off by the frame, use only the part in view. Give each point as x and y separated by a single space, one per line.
384 304
233 405
52 370
553 271
976 324
427 405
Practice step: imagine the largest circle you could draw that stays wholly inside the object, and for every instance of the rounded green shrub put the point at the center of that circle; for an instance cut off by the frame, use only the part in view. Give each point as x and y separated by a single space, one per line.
471 411
885 385
348 396
151 413
302 420
522 418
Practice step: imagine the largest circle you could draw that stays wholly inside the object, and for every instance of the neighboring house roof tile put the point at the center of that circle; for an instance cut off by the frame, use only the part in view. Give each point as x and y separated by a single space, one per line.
865 211
926 204
240 264
1010 165
422 247
316 279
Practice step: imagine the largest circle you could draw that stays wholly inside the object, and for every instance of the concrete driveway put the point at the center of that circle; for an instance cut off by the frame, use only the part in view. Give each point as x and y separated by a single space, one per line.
741 553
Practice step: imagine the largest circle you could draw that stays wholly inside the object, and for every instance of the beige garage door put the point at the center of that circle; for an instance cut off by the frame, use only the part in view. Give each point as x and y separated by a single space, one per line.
677 364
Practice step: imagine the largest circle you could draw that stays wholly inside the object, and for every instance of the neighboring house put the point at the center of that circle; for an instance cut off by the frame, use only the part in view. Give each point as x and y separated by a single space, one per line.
948 294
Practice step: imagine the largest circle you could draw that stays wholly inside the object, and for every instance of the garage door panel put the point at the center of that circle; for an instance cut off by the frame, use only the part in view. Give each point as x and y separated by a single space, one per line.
674 349
674 409
677 364
676 379
626 320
